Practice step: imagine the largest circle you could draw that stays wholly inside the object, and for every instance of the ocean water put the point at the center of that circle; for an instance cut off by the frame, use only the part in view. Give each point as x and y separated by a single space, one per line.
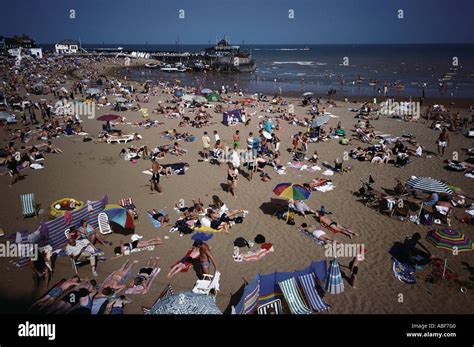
318 68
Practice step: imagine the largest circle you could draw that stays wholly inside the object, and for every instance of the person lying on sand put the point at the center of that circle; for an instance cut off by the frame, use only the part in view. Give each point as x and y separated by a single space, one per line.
316 233
114 280
55 293
301 207
142 282
333 225
185 263
125 248
160 217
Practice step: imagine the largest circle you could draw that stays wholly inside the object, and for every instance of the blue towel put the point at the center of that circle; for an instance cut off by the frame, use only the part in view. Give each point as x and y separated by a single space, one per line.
201 236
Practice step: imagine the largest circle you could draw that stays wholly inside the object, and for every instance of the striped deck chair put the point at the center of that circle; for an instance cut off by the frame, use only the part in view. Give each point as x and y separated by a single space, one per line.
292 296
28 205
309 288
273 307
129 206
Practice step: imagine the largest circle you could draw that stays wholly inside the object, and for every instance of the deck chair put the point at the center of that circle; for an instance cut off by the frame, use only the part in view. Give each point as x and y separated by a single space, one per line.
442 211
208 284
28 205
308 284
129 206
103 221
273 307
293 297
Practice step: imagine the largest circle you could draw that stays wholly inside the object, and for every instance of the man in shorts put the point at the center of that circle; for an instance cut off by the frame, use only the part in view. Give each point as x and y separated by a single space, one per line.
206 145
155 177
316 233
443 140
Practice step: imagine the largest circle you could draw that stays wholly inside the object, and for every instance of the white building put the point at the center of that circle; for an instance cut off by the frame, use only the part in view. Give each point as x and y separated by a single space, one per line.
67 47
34 52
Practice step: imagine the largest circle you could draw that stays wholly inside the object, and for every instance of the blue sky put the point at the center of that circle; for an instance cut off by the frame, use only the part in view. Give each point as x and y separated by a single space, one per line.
255 21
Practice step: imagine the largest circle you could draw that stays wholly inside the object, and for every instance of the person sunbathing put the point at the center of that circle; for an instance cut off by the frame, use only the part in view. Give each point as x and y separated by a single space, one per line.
116 278
177 150
142 282
317 234
215 221
160 217
53 149
128 247
301 207
55 293
184 263
68 300
333 225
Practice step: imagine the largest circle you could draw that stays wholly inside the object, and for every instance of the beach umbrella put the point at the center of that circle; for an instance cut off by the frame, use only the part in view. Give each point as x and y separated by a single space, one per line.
334 283
320 120
449 239
93 91
292 191
213 97
267 135
305 95
121 221
428 184
206 91
179 93
108 117
186 303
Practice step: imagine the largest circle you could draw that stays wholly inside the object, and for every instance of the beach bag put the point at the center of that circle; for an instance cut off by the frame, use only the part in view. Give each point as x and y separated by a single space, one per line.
426 218
241 242
239 220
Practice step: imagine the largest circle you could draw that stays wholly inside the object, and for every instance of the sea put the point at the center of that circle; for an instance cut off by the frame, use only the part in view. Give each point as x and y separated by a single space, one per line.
430 70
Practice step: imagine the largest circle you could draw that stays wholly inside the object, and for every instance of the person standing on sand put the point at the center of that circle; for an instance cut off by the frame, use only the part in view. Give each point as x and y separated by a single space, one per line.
232 175
205 256
206 145
443 141
155 178
13 170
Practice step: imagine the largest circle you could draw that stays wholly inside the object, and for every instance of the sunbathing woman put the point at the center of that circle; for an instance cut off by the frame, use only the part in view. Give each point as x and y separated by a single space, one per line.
53 149
116 278
185 263
333 225
130 246
69 299
216 222
142 282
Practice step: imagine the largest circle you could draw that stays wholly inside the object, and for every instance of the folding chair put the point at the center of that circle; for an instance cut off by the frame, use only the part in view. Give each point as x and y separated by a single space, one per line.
293 297
28 205
308 284
104 226
129 206
273 307
207 284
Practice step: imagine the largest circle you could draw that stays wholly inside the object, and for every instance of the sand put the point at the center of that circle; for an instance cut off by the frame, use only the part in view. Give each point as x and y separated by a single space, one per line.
87 171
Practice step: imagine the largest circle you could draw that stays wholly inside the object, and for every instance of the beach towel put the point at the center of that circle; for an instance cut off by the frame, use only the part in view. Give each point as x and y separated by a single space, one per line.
177 168
156 223
251 255
201 236
403 272
312 237
207 229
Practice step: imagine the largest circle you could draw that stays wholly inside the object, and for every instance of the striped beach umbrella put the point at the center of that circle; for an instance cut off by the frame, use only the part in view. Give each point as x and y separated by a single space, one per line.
334 283
206 91
292 191
450 240
428 184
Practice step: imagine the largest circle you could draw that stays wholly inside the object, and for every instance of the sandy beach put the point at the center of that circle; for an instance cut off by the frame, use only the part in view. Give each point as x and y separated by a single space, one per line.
90 170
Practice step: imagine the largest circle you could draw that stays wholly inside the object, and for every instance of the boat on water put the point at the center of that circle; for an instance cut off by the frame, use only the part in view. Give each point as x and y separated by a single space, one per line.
230 58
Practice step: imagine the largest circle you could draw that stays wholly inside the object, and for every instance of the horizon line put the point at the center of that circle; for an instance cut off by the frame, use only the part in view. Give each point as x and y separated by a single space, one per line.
271 44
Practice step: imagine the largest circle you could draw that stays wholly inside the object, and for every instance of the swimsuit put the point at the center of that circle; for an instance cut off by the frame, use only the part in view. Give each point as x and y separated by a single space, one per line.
205 264
146 271
56 292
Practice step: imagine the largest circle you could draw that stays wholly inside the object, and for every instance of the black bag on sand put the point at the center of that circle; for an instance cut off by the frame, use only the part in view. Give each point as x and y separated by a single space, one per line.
239 220
259 239
241 242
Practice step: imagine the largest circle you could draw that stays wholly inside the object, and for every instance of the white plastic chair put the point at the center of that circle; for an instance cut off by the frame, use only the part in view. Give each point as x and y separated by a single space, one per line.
208 283
104 226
